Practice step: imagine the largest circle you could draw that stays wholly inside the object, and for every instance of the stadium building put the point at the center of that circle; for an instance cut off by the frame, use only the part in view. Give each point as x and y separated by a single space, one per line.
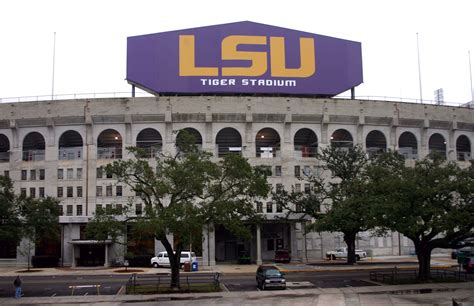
243 88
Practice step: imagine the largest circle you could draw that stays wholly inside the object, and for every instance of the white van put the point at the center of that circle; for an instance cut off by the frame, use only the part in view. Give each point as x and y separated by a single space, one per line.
162 259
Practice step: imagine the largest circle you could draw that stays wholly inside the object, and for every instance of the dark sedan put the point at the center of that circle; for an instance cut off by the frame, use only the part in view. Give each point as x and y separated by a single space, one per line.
269 276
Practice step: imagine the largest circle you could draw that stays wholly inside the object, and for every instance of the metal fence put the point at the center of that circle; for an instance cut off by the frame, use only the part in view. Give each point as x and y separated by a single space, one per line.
397 275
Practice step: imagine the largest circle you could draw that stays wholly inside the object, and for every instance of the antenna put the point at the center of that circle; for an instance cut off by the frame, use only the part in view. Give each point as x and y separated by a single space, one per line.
419 67
54 59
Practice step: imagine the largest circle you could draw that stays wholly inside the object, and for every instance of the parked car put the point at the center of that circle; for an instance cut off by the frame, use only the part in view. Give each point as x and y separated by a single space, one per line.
461 252
268 276
342 253
282 256
468 264
162 259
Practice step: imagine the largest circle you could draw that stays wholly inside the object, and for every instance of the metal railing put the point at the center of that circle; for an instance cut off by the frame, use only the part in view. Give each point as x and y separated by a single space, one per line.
224 150
4 157
139 93
408 152
400 275
268 152
464 156
71 153
33 155
109 153
304 151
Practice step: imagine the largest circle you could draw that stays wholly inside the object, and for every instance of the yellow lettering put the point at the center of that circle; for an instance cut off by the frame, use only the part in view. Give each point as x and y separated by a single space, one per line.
187 61
278 63
230 52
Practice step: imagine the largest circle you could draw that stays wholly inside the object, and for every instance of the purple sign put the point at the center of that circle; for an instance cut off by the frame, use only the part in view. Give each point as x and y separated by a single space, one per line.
243 57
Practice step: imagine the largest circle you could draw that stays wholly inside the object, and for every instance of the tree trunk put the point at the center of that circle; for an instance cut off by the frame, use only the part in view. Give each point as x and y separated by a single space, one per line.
349 239
174 257
423 252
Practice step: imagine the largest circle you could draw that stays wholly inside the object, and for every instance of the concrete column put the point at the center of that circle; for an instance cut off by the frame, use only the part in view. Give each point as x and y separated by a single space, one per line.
73 264
106 248
259 246
208 246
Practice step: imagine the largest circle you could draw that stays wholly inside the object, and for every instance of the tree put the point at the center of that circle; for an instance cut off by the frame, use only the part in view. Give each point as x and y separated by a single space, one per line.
9 213
343 191
430 203
184 192
39 220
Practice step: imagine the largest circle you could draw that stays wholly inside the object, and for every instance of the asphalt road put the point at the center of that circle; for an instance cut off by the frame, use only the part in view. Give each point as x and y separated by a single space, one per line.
110 284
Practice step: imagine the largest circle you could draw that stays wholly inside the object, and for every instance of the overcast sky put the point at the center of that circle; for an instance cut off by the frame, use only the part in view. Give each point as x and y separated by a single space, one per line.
91 40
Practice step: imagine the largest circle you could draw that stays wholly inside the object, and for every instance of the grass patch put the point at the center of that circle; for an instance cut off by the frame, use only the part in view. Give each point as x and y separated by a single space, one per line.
154 289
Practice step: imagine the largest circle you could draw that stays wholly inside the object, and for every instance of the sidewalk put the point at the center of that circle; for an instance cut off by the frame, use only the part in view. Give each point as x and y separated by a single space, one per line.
423 294
386 262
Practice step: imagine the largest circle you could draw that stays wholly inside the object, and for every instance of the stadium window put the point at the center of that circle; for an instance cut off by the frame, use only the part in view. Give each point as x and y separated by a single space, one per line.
33 174
297 187
33 192
79 173
279 208
118 191
297 171
41 174
108 191
68 210
70 173
69 191
138 209
79 192
60 174
98 207
6 173
277 170
269 207
61 210
98 191
307 188
60 192
79 210
99 172
24 174
41 192
259 207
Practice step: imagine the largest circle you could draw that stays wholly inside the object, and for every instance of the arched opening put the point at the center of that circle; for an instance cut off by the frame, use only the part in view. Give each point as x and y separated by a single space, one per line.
342 139
228 141
267 143
463 148
109 145
408 146
70 145
195 135
437 145
375 143
4 149
33 147
150 141
305 143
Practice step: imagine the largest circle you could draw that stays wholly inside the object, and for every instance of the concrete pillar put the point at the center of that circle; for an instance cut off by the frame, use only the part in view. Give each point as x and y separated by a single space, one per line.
106 261
208 246
73 264
259 246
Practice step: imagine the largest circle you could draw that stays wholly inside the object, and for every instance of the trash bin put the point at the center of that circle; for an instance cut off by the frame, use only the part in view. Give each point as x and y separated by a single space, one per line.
187 266
194 266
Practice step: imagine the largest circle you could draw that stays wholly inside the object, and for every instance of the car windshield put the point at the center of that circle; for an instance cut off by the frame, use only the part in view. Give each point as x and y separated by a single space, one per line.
272 272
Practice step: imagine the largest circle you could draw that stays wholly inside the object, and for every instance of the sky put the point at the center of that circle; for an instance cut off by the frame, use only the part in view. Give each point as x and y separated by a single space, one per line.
90 49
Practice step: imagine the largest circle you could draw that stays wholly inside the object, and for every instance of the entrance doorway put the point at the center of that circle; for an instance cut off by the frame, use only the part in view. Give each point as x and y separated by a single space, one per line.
91 255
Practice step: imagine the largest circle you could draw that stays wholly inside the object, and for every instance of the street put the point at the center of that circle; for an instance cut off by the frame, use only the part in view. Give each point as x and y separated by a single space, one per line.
60 285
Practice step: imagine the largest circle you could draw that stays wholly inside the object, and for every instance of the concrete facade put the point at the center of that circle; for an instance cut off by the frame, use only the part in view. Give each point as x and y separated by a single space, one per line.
209 115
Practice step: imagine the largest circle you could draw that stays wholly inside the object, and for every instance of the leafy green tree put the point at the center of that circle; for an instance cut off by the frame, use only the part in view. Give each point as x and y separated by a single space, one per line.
9 213
184 192
39 220
339 199
431 203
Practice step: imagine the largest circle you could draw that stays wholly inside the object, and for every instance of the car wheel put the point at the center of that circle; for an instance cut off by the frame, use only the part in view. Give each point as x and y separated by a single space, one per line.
155 265
333 257
357 257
